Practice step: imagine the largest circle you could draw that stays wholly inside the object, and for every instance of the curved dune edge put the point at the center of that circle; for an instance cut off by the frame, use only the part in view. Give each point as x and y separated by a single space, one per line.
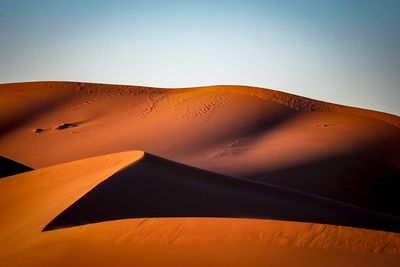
307 104
235 134
293 101
158 187
29 200
237 130
51 190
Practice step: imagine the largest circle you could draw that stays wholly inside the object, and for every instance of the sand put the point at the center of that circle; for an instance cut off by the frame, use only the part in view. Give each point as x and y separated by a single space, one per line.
331 164
156 187
163 241
261 134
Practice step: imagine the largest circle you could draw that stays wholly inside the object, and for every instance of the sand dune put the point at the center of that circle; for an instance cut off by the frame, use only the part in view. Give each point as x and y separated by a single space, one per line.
162 241
156 187
255 155
335 151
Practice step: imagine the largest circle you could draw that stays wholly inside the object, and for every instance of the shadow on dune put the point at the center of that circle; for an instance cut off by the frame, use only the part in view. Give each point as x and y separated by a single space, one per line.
156 187
258 125
29 112
358 178
9 167
267 123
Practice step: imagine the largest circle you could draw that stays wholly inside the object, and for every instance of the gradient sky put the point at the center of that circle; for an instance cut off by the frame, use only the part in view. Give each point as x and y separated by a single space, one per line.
343 51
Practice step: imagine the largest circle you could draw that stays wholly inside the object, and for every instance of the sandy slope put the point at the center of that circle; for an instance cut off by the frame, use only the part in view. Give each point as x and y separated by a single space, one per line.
157 187
343 153
254 137
163 242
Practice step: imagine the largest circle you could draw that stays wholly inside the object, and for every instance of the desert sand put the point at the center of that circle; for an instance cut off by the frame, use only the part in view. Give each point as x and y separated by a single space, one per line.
212 176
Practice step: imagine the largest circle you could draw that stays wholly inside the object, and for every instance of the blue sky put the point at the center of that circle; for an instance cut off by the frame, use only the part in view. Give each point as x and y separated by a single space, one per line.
339 51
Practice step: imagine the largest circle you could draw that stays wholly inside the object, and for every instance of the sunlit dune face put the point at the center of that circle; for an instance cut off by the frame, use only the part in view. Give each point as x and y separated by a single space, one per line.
217 176
51 190
219 125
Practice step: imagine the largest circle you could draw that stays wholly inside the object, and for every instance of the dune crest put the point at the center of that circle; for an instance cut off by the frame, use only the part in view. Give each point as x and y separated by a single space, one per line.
65 184
338 152
156 187
231 176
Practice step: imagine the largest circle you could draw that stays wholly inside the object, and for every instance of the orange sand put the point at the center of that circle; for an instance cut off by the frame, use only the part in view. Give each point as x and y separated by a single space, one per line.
343 153
28 201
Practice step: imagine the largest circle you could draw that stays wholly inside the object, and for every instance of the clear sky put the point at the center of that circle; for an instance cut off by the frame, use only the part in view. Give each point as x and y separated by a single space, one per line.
343 51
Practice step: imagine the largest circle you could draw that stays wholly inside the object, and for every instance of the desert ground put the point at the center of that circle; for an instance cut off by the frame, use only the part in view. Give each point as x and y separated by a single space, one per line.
113 175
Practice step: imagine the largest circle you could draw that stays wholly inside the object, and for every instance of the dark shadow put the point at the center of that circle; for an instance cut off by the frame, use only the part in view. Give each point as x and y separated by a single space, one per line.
268 122
9 167
357 178
156 187
32 110
67 125
258 126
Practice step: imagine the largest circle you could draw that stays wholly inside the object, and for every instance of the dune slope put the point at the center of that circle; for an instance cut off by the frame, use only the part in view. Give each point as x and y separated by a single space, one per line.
347 154
156 187
163 241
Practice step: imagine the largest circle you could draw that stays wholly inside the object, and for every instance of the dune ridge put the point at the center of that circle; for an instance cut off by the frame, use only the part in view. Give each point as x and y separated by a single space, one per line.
190 240
250 154
247 132
156 187
300 103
